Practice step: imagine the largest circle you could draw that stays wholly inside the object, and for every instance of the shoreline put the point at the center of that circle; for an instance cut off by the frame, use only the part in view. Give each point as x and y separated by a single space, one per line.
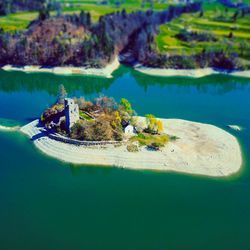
194 73
201 149
111 67
68 70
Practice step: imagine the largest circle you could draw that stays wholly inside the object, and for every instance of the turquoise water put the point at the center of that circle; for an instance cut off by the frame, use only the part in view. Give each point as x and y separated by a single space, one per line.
47 204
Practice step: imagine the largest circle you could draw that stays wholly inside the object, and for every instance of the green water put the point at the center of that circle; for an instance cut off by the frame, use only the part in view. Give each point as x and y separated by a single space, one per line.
46 204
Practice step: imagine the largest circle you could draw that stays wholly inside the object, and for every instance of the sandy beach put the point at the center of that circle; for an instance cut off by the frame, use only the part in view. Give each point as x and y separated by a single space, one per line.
195 73
102 72
201 149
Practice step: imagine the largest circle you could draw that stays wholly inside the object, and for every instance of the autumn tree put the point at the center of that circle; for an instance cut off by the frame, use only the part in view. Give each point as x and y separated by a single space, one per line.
107 104
116 119
154 125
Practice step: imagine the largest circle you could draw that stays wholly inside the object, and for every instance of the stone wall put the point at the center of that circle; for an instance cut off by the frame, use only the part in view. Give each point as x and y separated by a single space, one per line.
64 139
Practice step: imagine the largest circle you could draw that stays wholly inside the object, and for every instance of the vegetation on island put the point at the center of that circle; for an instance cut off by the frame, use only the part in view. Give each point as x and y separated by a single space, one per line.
152 135
103 119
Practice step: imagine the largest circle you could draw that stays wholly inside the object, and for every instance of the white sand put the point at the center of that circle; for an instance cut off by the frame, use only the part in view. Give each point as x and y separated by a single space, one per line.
201 149
103 72
4 128
235 127
195 73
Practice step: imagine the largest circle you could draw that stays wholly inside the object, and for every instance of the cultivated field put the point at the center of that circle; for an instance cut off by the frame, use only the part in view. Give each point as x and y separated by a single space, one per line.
216 21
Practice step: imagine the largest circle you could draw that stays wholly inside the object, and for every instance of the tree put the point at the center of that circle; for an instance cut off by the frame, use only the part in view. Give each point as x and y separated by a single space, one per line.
160 126
126 105
230 35
235 15
78 131
88 19
201 13
116 121
154 125
62 94
106 103
44 13
102 131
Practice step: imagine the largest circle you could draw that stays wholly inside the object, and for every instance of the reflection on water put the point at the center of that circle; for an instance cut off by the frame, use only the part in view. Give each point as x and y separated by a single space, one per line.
47 204
213 84
19 81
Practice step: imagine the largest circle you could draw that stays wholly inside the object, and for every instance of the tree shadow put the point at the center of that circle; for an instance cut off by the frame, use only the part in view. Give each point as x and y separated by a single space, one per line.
38 136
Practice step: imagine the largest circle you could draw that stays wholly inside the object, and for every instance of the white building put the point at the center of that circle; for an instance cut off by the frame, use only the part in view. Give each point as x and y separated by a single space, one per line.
71 110
129 130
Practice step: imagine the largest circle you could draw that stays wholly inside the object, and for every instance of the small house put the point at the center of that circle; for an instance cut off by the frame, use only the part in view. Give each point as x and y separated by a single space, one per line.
129 130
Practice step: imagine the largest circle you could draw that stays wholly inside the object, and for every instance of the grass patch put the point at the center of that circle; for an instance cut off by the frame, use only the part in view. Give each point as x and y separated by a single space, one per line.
19 21
145 139
85 116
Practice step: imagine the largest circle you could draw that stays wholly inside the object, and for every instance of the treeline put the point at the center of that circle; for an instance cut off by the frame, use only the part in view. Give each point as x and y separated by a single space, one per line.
11 6
219 59
74 40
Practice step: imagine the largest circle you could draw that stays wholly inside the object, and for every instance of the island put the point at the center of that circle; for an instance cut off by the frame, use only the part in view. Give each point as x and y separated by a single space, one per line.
104 132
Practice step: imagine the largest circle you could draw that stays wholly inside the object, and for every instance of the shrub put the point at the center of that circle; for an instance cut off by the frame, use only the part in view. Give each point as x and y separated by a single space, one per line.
132 148
155 146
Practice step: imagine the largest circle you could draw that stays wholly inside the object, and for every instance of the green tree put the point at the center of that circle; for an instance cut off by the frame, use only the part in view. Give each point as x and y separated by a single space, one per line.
154 125
126 105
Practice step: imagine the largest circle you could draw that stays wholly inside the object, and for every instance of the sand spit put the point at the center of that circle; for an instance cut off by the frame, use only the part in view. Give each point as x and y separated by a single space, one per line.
9 129
195 73
235 127
102 72
201 149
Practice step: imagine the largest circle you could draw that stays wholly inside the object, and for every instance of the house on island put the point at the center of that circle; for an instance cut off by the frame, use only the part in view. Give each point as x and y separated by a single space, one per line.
71 110
128 129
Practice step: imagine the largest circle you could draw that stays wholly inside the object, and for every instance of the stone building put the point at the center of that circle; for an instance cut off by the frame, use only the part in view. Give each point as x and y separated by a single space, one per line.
71 110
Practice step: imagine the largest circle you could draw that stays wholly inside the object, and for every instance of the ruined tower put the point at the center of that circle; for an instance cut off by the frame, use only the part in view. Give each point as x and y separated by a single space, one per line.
71 113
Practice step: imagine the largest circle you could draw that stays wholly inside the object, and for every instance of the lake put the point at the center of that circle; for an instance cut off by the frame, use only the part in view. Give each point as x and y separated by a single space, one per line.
48 204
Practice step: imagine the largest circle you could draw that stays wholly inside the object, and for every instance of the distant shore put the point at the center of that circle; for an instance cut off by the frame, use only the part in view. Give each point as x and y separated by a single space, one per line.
195 73
110 68
200 149
68 70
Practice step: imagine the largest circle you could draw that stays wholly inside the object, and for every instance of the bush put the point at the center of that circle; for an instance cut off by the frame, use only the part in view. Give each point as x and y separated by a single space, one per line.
155 146
188 36
132 148
145 139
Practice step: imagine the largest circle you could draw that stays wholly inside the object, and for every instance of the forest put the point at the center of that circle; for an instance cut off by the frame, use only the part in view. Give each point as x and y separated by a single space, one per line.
180 37
76 40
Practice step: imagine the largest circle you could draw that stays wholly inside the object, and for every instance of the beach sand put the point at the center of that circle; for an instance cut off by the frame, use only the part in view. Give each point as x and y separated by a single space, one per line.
200 149
195 73
102 72
5 128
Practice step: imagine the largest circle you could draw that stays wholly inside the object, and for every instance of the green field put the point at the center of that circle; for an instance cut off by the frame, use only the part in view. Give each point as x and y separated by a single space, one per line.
208 23
20 21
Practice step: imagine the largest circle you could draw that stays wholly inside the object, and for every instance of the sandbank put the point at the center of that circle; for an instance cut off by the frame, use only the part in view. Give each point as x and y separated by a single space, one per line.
195 73
67 70
200 149
5 128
